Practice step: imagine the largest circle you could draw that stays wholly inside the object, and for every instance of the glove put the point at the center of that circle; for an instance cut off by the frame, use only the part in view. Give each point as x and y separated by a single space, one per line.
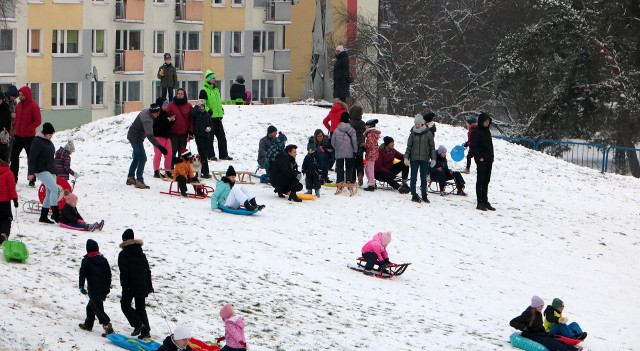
383 265
433 163
219 339
563 319
208 129
77 175
299 176
83 291
406 162
466 144
15 203
162 149
282 137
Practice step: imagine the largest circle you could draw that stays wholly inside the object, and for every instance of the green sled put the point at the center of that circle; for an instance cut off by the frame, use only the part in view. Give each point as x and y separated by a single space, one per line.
15 251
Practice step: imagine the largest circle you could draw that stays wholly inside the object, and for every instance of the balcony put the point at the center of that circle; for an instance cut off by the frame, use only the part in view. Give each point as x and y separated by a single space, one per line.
189 11
130 10
188 61
278 12
277 61
128 61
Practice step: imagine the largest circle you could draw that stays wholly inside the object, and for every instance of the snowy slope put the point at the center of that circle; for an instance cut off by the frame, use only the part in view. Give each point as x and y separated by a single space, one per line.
560 231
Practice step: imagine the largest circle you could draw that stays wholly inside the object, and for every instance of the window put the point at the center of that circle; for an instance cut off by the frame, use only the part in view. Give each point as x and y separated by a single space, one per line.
6 39
97 41
35 92
217 3
33 41
64 94
191 86
158 41
261 89
129 40
126 91
216 43
97 93
263 41
65 41
185 41
259 3
237 3
236 43
156 90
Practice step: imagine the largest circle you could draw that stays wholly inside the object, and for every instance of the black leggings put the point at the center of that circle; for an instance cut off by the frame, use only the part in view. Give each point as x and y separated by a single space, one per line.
482 182
371 258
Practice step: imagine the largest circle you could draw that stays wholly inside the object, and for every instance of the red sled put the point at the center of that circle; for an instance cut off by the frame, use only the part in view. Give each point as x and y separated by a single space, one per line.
566 340
201 191
197 345
62 185
392 270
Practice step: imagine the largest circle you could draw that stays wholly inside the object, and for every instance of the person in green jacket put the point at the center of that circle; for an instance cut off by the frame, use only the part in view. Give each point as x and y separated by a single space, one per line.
213 105
420 155
233 196
168 77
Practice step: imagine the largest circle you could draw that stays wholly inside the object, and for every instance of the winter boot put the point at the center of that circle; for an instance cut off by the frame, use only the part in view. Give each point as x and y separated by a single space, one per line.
145 333
415 198
93 227
488 206
318 193
426 199
461 191
168 174
368 272
4 237
156 174
249 207
131 181
253 202
55 214
466 171
309 192
360 178
481 207
108 329
141 185
83 327
369 188
293 197
138 330
44 213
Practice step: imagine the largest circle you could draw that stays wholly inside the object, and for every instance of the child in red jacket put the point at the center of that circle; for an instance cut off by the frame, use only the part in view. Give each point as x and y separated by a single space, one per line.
7 194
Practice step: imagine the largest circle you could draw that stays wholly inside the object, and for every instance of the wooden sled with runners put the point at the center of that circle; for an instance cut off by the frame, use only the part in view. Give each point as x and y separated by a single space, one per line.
241 177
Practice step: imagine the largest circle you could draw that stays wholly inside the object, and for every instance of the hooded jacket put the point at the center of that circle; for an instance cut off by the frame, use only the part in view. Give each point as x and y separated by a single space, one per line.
481 142
211 95
220 195
238 91
371 137
95 269
28 116
70 215
344 141
200 121
7 184
551 317
420 145
284 171
234 332
341 76
333 118
355 120
41 156
376 246
135 274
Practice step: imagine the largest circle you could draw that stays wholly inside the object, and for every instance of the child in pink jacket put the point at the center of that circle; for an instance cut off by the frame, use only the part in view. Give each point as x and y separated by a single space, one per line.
375 252
233 330
371 136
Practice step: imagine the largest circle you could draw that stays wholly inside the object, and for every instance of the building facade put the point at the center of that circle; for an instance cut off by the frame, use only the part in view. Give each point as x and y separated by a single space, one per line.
86 60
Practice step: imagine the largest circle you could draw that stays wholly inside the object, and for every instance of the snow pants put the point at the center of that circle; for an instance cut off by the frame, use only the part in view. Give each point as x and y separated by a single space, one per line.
570 330
95 308
369 170
137 316
238 195
371 258
6 217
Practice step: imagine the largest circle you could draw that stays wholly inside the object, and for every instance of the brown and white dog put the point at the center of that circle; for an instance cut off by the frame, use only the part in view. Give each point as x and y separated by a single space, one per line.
196 165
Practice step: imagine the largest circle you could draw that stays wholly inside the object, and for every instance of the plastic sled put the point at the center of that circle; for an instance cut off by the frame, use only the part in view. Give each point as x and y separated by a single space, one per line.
62 184
330 185
307 197
15 251
62 225
393 270
197 345
133 343
457 153
521 342
568 341
237 211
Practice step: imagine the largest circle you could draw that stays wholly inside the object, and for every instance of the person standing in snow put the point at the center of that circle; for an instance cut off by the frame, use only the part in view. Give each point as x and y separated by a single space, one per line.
27 119
162 132
311 170
233 330
324 153
141 128
341 74
420 155
179 109
135 279
5 127
95 269
375 252
482 146
356 122
238 90
472 124
12 100
229 194
178 341
42 164
213 105
168 77
345 145
7 194
371 135
63 161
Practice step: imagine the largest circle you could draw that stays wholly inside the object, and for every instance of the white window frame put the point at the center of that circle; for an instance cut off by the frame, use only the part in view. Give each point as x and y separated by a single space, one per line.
61 101
36 93
155 42
184 85
104 42
29 42
156 90
127 33
261 94
94 90
13 39
264 41
234 3
62 35
232 41
221 53
220 3
99 2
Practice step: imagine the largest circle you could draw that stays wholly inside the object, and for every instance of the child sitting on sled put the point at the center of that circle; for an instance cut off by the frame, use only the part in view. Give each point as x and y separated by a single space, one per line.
555 323
311 170
233 196
441 173
182 171
375 252
233 330
70 216
178 341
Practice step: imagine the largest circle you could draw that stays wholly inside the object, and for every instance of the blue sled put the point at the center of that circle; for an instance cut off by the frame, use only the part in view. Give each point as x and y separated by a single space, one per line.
521 342
237 211
132 343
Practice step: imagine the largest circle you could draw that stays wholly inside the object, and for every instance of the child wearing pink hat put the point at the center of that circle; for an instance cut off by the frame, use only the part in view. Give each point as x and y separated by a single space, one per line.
233 330
71 217
375 252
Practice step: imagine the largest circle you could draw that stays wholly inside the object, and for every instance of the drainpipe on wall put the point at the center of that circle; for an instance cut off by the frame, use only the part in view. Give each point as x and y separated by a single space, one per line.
284 45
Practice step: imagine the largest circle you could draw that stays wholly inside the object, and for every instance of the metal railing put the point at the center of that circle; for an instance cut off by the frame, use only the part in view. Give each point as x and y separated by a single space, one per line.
526 142
623 161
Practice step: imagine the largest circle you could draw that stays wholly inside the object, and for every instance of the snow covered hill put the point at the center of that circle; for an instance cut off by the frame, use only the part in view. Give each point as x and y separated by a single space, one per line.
560 231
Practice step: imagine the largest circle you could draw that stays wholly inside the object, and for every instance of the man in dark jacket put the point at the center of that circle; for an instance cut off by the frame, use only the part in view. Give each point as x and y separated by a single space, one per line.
386 168
202 124
42 164
341 75
284 175
482 147
168 77
263 146
28 118
141 128
96 271
135 279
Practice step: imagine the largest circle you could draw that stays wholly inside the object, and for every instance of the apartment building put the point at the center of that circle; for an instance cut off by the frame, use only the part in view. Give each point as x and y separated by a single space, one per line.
91 59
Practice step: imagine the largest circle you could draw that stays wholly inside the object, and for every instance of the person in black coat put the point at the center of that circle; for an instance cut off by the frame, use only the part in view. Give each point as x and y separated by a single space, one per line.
238 90
482 147
95 269
531 326
311 169
135 279
284 174
341 75
42 163
202 124
5 127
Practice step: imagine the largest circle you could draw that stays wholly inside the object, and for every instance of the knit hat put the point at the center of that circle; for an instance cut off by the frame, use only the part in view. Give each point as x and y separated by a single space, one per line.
387 140
557 303
386 238
69 146
428 117
209 76
442 149
12 91
160 101
271 129
240 78
92 246
371 123
154 108
71 199
167 55
230 172
344 117
184 152
200 103
536 301
226 312
127 235
181 332
419 119
47 128
472 120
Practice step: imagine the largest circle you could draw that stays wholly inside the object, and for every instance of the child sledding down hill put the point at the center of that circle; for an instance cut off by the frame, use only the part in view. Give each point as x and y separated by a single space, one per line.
71 217
375 252
233 196
233 330
555 323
